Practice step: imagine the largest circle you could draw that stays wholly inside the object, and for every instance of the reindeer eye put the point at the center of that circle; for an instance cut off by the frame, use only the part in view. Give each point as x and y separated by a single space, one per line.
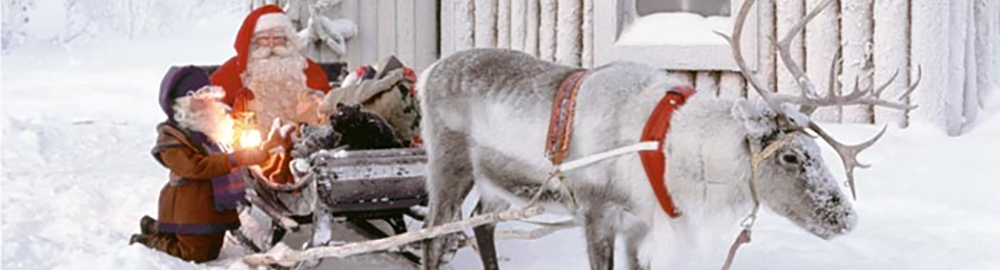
790 159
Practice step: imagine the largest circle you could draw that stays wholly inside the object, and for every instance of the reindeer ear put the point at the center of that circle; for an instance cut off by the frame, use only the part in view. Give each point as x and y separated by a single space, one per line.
751 117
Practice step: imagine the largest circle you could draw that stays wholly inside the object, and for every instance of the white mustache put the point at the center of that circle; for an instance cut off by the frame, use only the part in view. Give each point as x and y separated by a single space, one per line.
265 52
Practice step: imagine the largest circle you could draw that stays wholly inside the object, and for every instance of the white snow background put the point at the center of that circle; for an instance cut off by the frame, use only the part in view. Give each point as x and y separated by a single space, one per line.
78 124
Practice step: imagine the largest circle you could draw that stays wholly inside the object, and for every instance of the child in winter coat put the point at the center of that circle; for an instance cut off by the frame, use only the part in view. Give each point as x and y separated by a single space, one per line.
198 205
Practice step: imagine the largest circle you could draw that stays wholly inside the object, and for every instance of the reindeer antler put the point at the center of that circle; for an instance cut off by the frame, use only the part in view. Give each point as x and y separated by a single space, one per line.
809 100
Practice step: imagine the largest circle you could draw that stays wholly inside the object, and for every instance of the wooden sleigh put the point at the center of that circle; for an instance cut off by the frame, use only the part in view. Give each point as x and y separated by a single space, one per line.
354 188
362 190
358 189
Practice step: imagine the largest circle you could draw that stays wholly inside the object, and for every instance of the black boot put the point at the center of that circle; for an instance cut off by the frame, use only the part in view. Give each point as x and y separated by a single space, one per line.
139 238
163 242
147 225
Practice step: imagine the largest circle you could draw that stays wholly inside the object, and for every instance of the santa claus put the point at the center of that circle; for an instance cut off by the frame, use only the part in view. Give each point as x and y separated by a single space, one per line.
269 78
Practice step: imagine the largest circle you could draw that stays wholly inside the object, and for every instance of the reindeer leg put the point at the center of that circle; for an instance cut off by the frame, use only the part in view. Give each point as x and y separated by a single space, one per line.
599 228
484 234
487 248
449 180
634 235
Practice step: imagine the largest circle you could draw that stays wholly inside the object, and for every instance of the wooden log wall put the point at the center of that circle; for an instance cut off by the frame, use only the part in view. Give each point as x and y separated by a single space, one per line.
956 45
407 29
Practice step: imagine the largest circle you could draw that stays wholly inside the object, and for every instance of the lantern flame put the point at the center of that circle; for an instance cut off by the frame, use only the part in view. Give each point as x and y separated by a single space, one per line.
250 138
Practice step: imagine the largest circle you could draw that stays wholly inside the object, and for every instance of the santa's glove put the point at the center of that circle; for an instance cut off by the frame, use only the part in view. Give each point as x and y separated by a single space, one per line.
277 136
247 157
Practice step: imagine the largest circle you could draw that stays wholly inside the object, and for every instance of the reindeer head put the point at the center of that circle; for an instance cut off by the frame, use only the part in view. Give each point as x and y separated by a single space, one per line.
791 177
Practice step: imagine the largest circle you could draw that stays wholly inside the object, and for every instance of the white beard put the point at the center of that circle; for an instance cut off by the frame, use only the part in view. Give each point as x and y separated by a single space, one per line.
211 118
279 86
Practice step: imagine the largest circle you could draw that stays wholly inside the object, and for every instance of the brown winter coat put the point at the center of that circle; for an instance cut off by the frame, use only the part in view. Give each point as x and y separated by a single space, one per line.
186 202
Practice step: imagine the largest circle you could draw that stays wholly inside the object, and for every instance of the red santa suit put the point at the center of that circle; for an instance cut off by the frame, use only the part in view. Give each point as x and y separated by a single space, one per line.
232 75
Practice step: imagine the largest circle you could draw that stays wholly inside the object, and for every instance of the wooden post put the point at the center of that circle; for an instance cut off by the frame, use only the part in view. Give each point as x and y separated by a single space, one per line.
406 28
503 24
386 29
547 30
822 42
732 84
426 34
707 82
955 94
930 51
368 32
568 35
683 77
889 59
447 27
350 10
766 65
518 23
857 24
984 48
465 25
970 100
788 14
486 23
587 57
531 39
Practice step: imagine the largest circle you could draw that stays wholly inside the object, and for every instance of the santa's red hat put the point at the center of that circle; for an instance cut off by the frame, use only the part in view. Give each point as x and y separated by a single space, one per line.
260 19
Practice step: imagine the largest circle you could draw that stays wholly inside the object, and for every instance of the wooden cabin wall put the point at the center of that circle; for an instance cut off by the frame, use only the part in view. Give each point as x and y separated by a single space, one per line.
880 40
407 29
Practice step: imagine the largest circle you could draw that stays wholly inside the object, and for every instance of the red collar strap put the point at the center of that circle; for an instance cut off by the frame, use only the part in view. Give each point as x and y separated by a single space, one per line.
654 162
561 121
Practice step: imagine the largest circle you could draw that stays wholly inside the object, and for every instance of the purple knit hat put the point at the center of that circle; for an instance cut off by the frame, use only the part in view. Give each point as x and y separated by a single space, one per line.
178 82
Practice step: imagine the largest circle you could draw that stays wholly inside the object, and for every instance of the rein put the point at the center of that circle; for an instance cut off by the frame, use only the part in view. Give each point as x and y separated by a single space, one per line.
756 157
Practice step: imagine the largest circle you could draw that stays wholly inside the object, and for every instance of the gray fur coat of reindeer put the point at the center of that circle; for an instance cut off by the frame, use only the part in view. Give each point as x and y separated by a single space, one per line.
486 115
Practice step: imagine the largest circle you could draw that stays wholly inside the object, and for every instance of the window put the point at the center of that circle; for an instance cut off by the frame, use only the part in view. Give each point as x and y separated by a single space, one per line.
671 34
701 7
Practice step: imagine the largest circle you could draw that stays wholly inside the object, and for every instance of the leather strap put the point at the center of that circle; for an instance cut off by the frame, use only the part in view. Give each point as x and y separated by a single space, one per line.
561 121
655 162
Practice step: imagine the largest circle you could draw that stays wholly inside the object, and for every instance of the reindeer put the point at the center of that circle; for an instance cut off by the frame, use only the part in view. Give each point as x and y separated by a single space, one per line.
485 117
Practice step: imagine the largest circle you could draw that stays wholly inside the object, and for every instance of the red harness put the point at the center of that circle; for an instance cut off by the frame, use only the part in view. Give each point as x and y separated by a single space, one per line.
561 121
656 130
654 162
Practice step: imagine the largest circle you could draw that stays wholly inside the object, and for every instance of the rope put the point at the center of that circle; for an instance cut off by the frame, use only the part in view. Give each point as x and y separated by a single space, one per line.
557 172
583 162
755 159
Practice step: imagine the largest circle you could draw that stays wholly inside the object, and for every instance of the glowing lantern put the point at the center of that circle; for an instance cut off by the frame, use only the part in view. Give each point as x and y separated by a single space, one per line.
250 138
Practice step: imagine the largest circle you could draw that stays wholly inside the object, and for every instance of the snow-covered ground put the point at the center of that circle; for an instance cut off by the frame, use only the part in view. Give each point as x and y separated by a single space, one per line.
78 125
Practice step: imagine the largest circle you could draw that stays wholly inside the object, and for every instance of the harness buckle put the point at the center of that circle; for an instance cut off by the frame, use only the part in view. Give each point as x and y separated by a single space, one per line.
748 221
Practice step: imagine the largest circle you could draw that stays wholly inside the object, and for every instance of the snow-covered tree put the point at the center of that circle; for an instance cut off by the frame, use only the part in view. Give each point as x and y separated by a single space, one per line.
69 23
15 18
